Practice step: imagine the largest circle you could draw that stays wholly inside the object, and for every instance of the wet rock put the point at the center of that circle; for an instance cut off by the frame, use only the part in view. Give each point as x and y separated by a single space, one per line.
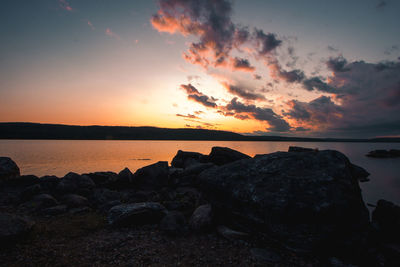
380 153
386 217
13 228
56 210
75 183
79 210
75 201
107 206
173 223
8 169
154 176
201 219
184 159
224 155
307 200
265 256
136 214
232 234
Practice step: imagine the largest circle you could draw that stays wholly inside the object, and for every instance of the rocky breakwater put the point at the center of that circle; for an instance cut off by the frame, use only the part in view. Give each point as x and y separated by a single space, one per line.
283 204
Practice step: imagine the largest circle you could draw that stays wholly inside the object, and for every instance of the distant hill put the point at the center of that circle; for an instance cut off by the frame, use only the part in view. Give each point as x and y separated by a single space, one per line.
16 130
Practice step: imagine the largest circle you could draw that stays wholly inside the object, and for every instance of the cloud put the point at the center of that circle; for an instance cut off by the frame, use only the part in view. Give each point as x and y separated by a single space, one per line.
65 5
242 64
242 92
265 43
210 21
337 64
195 95
365 102
315 83
257 77
110 33
190 116
242 111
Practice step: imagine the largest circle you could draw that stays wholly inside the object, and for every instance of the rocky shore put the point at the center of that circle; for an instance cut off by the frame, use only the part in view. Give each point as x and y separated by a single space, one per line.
297 208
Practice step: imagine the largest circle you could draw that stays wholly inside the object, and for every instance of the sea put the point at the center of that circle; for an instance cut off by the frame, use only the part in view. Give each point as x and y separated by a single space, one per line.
58 157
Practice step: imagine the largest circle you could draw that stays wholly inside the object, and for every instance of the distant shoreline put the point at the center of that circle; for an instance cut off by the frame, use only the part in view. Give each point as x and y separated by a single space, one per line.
37 131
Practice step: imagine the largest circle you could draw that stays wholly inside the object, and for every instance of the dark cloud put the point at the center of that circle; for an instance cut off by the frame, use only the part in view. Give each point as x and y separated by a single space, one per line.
332 49
364 103
242 92
279 73
257 77
210 21
391 50
315 83
242 64
337 64
195 95
265 43
276 122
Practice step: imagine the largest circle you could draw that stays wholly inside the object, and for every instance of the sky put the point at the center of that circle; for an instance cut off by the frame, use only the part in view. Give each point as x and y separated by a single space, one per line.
316 68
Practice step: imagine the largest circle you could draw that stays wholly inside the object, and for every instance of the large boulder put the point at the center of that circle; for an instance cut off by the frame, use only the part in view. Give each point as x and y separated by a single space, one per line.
13 228
23 181
103 178
224 155
154 176
75 183
386 217
136 214
201 219
184 159
173 223
305 200
8 169
75 201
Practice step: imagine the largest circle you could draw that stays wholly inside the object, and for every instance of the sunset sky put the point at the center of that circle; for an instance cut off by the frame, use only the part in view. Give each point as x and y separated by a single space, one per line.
271 67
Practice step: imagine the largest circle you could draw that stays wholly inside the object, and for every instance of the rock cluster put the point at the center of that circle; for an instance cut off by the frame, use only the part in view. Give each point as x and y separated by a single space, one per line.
304 200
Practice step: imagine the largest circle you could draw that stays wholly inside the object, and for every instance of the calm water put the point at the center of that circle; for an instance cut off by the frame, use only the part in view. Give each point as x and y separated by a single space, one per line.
54 157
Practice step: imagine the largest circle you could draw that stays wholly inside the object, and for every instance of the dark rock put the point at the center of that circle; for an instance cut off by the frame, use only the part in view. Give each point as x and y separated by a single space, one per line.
107 206
173 223
184 159
266 256
154 176
307 200
125 177
75 183
201 219
13 228
49 182
380 153
335 262
100 196
359 173
232 234
187 177
80 210
189 197
22 181
224 155
386 217
175 205
75 201
30 191
103 178
8 169
56 210
136 214
140 196
41 201
301 149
